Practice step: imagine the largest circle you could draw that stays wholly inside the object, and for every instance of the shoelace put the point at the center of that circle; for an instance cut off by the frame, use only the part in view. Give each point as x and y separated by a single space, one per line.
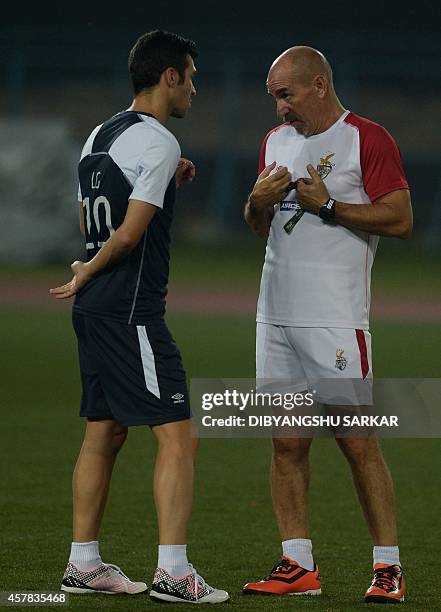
196 578
384 578
283 563
118 570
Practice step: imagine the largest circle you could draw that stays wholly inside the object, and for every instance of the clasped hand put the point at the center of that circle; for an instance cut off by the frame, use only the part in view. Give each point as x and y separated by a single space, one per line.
311 192
270 188
185 172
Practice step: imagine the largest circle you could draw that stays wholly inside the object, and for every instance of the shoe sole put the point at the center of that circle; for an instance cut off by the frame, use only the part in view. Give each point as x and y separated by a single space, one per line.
172 599
383 600
80 591
309 592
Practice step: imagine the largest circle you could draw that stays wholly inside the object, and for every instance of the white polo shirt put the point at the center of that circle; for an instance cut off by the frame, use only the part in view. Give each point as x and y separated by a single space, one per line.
318 275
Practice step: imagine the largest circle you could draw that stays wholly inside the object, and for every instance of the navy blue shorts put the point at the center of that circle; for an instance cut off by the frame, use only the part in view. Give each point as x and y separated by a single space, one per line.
130 373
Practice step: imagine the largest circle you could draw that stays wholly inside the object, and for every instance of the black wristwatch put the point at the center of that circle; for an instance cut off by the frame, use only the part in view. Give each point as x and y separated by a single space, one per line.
327 211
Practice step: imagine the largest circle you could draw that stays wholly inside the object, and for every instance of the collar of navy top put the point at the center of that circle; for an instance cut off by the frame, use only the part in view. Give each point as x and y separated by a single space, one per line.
140 113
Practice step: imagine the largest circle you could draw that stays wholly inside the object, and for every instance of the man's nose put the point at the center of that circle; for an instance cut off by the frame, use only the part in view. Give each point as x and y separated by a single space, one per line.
282 109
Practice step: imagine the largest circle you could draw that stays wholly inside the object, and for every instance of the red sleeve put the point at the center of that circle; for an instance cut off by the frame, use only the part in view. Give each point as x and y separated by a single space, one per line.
262 154
380 159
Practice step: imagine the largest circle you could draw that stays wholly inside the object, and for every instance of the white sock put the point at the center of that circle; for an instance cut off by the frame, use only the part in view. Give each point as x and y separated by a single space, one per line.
390 555
299 550
173 559
85 555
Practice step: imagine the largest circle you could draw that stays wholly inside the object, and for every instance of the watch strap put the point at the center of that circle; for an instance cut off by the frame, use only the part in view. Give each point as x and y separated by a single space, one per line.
327 211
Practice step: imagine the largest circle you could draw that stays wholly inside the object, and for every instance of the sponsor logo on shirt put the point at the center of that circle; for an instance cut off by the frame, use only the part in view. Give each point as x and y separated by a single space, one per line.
325 166
289 206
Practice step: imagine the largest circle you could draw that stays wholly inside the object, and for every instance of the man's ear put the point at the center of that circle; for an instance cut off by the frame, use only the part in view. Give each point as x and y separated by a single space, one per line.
171 77
321 85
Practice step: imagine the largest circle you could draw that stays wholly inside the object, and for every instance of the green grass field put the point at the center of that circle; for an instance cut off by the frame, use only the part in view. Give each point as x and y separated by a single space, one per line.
399 268
233 537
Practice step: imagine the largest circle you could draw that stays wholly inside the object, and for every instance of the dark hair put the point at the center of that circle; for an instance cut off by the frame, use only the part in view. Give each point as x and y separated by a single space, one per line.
153 53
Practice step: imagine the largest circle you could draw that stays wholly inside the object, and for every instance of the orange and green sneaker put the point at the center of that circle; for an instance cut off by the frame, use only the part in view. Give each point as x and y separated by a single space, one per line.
286 578
388 585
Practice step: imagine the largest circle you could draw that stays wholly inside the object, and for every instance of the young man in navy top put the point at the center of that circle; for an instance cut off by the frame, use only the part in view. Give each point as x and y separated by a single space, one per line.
130 366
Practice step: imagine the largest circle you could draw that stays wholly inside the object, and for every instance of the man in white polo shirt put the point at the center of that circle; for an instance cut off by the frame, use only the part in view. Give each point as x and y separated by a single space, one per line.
330 182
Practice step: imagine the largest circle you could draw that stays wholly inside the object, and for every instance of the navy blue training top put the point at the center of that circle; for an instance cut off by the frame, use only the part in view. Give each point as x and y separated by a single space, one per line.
130 156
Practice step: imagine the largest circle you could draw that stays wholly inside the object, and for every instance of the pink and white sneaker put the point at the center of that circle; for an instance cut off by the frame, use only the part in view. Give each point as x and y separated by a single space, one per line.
189 589
106 578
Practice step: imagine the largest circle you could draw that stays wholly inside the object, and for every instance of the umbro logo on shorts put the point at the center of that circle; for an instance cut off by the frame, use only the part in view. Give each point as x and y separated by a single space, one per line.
177 398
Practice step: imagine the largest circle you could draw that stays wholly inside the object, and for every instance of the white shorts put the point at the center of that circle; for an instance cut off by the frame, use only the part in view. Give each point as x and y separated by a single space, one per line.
335 362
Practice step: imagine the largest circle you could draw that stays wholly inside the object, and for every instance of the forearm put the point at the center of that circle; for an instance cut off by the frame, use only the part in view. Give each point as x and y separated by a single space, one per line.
378 219
259 219
115 249
112 252
388 215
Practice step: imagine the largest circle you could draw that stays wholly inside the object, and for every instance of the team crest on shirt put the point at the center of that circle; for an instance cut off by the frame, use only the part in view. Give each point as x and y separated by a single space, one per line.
340 360
325 166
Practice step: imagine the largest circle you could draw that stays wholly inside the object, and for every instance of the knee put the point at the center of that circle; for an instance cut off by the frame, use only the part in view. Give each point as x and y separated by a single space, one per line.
177 441
119 436
291 450
104 437
359 451
181 449
194 445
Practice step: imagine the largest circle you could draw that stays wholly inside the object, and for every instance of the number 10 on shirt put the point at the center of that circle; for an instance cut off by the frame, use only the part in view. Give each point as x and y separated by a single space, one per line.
99 201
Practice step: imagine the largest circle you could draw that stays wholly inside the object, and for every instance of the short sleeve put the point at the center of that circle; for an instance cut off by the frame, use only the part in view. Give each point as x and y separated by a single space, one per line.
380 160
86 150
156 167
262 155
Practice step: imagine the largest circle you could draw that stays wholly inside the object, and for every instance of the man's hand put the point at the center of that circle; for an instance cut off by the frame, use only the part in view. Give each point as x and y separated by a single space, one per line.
80 278
120 244
269 188
185 171
311 193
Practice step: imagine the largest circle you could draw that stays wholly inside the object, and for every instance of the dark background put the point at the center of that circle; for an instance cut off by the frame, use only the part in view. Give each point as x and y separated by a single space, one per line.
63 71
66 65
